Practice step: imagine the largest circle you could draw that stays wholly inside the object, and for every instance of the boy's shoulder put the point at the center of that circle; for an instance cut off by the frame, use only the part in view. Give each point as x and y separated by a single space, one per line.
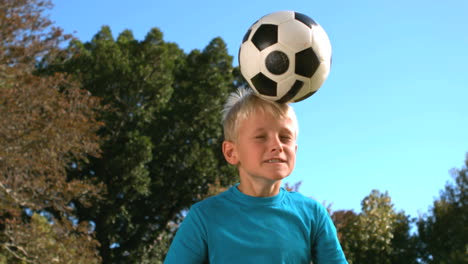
304 201
301 198
213 201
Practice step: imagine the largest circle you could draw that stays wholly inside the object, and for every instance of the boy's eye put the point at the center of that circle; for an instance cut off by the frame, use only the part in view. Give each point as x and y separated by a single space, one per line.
260 137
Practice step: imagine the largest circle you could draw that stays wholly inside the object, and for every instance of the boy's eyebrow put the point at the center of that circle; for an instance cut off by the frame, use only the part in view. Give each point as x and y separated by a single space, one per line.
288 130
282 130
260 129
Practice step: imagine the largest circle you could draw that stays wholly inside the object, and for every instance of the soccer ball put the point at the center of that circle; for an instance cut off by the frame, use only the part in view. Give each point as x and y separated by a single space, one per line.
285 56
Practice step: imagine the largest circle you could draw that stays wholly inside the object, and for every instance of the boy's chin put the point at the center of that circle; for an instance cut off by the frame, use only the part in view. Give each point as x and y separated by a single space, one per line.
277 177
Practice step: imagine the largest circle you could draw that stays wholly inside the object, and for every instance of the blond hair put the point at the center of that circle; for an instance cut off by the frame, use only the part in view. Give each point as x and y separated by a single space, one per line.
242 104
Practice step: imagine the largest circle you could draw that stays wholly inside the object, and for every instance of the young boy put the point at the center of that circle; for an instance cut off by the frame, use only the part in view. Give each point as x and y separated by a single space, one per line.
257 221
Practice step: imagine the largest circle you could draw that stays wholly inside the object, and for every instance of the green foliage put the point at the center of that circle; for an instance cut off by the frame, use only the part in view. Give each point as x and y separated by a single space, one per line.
163 135
404 243
369 237
377 223
443 232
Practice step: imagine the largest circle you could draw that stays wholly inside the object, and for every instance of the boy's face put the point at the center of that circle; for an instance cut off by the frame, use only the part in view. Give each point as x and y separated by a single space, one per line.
265 149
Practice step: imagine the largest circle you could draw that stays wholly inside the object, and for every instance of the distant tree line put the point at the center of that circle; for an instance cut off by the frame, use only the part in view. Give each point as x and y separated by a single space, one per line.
105 144
379 234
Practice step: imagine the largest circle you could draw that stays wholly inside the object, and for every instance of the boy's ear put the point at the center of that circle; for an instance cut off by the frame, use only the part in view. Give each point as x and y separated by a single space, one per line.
230 153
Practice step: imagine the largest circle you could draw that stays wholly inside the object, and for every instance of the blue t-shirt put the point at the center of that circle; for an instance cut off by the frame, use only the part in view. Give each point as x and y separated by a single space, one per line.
232 227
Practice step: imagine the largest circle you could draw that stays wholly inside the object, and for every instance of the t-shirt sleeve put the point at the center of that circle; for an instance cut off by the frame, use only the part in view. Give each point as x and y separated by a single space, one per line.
326 248
189 244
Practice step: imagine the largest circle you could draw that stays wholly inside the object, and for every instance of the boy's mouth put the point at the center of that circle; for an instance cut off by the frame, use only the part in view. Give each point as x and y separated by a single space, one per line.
274 161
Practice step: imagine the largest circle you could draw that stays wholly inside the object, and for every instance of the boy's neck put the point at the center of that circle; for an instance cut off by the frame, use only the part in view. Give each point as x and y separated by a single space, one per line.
259 190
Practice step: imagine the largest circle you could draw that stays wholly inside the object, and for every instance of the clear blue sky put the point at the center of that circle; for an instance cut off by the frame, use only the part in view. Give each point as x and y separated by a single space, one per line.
393 114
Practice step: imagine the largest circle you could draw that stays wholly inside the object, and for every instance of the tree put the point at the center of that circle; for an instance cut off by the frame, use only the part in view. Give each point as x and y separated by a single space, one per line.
46 124
443 232
404 242
163 135
346 223
42 242
377 223
368 237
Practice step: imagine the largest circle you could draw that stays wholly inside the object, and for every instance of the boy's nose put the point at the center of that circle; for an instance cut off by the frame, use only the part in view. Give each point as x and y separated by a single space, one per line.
276 145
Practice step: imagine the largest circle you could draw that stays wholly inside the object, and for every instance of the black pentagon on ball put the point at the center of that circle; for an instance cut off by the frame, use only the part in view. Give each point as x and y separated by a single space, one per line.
265 36
277 62
307 63
264 85
304 19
